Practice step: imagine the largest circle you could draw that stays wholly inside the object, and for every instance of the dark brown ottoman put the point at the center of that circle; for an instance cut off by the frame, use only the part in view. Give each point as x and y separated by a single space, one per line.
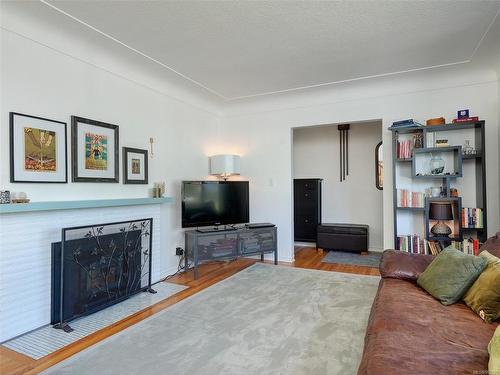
344 237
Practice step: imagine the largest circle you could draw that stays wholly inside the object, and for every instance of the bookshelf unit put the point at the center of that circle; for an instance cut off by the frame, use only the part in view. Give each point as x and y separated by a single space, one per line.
463 172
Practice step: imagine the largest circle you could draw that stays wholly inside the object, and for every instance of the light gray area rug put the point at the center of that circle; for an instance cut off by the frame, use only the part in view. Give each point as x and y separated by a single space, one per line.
372 259
264 320
45 340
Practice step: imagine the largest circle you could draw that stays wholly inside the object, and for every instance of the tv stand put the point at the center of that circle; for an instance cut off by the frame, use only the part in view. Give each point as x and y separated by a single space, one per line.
205 246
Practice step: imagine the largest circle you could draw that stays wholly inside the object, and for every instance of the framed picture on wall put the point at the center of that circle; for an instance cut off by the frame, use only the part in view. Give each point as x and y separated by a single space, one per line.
38 149
135 166
94 151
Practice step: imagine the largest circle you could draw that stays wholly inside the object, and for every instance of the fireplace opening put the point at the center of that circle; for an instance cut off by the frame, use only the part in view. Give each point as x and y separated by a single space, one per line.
97 266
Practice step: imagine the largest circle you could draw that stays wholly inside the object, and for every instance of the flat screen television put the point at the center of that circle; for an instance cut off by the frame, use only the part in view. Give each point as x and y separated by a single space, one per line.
206 203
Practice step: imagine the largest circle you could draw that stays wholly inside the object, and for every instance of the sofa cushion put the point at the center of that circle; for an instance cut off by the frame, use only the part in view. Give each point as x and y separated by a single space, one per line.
483 297
401 265
451 274
411 333
494 350
492 245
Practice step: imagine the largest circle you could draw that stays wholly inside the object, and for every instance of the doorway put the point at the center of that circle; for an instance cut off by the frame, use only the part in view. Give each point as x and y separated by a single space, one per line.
356 197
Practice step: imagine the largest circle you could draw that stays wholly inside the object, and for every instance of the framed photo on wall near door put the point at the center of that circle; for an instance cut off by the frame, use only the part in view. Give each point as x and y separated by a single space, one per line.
94 150
135 166
38 151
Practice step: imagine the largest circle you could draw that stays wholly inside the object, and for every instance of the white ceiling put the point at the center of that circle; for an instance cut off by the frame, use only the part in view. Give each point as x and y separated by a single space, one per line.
238 49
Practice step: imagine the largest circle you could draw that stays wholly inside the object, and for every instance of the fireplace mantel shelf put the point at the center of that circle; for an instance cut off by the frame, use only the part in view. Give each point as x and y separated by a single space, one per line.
71 205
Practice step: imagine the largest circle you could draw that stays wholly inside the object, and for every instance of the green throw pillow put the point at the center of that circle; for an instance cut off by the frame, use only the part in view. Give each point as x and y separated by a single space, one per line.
483 297
494 350
451 274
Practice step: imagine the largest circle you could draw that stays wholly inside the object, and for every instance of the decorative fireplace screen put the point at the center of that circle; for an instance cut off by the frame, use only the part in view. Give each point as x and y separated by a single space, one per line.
97 266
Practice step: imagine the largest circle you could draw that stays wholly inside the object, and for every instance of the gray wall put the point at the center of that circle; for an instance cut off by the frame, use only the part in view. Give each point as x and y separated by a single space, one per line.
355 200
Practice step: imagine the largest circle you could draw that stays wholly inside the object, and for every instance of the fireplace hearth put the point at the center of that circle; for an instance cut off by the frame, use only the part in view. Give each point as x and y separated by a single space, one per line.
97 266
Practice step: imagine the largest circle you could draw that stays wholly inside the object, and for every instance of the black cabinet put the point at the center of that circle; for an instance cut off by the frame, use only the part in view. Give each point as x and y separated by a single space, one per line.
307 208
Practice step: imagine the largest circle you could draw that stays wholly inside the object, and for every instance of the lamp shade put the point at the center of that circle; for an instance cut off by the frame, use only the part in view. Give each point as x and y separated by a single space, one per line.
440 211
224 165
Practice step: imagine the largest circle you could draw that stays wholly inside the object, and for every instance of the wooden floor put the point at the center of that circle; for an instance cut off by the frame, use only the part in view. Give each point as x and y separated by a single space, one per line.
13 363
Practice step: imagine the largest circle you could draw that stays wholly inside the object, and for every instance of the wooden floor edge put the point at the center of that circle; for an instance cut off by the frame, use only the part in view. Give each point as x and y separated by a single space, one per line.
14 363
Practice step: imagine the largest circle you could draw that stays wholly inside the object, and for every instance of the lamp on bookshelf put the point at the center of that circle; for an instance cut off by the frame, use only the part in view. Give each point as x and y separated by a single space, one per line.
440 211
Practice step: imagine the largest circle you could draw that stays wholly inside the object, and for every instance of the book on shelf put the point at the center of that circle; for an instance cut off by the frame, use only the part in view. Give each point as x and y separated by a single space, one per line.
466 119
472 217
406 198
434 247
404 149
409 123
431 140
470 246
412 244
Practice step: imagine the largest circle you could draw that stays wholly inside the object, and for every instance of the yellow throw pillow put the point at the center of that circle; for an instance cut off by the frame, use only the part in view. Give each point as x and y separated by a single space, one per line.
494 350
483 297
489 257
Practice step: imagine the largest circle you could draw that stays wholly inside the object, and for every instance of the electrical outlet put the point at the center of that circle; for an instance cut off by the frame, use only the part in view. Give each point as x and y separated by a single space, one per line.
179 251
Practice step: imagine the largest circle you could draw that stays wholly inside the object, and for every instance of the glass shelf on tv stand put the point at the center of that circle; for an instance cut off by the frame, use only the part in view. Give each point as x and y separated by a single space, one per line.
229 244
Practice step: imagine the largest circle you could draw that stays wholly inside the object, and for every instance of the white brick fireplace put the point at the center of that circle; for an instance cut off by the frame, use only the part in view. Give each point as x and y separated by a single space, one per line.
25 258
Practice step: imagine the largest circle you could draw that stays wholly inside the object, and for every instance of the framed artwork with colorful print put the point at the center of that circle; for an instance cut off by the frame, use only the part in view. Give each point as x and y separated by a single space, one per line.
94 151
38 149
135 166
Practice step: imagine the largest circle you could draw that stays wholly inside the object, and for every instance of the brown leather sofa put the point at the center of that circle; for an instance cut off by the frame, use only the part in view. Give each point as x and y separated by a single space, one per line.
411 333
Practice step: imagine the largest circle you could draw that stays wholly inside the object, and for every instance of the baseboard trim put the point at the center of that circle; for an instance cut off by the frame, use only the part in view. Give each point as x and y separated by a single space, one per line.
304 244
313 244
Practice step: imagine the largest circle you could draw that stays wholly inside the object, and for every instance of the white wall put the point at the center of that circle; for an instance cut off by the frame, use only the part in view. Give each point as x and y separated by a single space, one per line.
355 200
262 128
41 79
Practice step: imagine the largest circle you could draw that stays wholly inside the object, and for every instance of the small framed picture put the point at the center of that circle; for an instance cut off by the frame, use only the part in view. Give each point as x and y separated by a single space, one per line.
38 150
135 166
94 150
